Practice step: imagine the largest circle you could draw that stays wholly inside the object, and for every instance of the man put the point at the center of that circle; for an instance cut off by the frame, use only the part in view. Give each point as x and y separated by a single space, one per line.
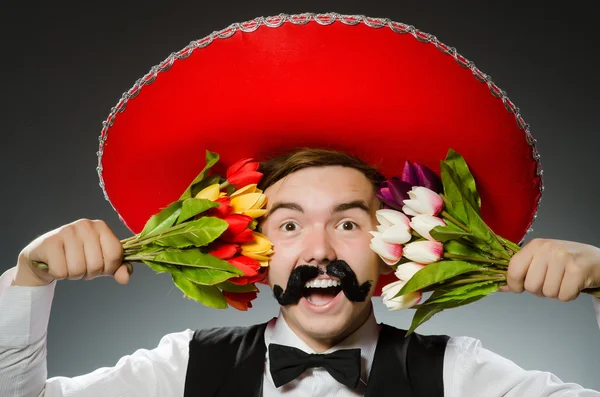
319 212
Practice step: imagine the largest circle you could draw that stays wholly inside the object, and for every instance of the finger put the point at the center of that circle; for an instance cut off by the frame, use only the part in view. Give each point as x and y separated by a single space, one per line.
504 288
75 257
122 274
93 252
554 277
112 250
54 256
571 285
517 269
536 274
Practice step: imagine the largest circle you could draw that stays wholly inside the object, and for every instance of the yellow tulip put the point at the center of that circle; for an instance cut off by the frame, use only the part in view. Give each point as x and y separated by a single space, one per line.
249 201
260 249
211 192
247 189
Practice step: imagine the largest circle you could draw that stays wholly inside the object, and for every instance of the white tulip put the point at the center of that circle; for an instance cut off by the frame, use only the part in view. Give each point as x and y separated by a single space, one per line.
423 224
423 201
399 302
424 252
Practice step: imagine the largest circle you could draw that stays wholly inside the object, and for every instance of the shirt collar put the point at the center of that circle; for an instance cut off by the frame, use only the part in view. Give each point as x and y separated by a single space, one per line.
365 338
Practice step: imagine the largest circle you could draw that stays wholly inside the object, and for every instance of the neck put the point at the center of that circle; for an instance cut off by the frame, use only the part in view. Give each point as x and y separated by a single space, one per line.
321 343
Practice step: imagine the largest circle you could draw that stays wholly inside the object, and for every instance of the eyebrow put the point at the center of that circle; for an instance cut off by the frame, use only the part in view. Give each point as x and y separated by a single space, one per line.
360 204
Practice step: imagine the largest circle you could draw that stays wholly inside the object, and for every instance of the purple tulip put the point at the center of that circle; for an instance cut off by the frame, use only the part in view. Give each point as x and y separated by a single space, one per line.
393 192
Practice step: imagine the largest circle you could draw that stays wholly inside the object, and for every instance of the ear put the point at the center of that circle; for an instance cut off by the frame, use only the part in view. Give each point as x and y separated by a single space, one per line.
384 269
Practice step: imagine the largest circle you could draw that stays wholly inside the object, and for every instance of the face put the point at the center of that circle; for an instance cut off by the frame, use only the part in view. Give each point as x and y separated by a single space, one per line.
315 216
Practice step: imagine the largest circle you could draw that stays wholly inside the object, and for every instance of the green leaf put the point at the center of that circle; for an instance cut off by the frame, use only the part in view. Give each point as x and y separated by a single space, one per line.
435 273
206 276
197 233
464 178
458 247
421 316
425 312
463 292
483 232
211 160
208 295
160 268
231 287
194 206
445 233
163 220
453 193
194 257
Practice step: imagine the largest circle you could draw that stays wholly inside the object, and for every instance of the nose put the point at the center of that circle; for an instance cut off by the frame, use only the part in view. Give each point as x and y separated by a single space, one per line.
318 248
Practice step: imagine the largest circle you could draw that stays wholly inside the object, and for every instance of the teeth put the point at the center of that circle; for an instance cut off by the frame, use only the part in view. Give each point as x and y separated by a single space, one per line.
322 283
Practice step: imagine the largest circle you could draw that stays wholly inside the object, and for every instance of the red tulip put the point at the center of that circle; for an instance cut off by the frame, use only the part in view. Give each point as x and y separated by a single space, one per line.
240 300
238 231
253 271
243 172
224 209
224 250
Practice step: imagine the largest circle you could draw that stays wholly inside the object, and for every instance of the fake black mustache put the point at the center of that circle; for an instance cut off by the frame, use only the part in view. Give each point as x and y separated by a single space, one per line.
294 290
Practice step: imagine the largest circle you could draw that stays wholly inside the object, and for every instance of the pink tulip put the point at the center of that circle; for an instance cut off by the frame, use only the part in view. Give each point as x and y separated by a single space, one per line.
406 270
389 253
423 201
423 224
424 252
393 302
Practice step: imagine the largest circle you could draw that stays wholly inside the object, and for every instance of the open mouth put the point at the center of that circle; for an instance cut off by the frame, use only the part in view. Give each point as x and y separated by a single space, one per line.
320 292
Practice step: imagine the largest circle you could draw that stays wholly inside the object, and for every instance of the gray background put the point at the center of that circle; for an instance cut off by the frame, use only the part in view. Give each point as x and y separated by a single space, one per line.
65 67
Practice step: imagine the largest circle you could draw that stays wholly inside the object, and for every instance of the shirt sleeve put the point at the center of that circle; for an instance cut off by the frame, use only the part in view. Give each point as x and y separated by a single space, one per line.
23 372
471 370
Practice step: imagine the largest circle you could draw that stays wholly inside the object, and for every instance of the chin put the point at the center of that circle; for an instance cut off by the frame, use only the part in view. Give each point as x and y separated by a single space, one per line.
333 321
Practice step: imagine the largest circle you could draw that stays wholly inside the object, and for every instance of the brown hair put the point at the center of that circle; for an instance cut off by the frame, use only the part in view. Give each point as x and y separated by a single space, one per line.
281 166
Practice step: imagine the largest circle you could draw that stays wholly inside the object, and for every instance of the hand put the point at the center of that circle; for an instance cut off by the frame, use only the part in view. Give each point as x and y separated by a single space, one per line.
84 249
554 269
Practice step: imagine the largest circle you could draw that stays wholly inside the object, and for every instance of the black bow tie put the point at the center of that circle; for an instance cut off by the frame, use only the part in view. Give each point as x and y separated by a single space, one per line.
287 363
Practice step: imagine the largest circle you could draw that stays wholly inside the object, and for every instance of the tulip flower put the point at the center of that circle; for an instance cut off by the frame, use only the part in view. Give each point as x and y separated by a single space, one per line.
212 192
243 172
238 231
423 201
418 175
253 271
393 302
406 270
259 249
389 253
423 224
240 300
224 250
394 191
224 209
394 226
249 201
424 252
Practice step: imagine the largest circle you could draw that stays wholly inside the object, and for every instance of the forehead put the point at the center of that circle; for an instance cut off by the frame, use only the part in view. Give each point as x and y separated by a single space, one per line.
322 181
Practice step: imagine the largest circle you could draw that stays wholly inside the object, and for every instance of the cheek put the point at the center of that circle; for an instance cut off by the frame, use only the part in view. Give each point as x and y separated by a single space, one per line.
283 260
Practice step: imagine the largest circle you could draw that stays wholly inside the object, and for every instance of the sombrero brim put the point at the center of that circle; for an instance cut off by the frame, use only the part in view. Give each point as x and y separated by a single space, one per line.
374 88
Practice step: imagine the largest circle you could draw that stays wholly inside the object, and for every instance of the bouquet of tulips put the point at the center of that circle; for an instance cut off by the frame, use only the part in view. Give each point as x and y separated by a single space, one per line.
432 234
206 240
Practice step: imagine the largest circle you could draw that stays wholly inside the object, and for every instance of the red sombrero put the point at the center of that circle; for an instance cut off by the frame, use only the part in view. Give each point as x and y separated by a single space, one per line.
381 90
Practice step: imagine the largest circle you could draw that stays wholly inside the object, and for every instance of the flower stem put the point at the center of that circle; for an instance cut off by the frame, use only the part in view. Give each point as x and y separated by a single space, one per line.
224 184
475 259
452 219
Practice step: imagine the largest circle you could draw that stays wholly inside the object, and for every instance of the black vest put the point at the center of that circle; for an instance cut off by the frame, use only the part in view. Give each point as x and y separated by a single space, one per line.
230 361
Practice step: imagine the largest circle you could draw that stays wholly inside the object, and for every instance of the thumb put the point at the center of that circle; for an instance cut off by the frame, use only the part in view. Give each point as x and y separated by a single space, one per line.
123 273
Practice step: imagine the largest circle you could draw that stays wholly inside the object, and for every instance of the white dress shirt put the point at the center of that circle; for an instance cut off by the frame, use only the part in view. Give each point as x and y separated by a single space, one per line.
469 369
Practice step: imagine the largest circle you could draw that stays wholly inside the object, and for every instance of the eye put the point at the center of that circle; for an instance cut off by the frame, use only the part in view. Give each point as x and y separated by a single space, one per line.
347 226
289 226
